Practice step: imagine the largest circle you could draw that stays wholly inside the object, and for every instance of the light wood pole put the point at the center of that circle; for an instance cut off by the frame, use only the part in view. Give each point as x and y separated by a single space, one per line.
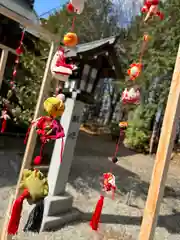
162 161
31 140
3 61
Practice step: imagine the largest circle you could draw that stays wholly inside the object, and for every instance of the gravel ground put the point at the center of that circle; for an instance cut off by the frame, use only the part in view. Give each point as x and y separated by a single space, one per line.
133 172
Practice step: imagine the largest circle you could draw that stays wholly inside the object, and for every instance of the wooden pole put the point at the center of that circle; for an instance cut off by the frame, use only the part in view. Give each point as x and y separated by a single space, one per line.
3 60
32 136
162 161
39 107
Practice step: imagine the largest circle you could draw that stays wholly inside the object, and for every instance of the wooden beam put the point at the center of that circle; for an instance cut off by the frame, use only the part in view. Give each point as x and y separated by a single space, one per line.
3 60
42 32
162 161
32 137
13 51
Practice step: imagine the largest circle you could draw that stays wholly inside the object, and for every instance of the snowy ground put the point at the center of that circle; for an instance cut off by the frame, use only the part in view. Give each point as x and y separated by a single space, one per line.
132 172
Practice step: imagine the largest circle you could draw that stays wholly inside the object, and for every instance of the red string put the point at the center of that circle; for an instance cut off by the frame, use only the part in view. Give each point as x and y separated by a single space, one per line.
62 149
73 24
117 144
18 51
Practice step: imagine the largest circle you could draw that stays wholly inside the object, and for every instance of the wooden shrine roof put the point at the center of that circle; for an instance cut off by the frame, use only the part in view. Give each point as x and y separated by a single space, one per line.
92 47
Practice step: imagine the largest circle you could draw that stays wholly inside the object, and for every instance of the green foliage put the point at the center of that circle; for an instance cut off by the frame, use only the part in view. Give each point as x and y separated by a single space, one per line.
158 61
139 127
29 80
93 24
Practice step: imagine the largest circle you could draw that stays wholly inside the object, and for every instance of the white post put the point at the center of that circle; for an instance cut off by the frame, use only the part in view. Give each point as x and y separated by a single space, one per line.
4 56
59 202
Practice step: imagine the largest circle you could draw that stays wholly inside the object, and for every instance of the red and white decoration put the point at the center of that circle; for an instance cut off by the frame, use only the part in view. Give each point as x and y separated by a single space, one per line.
76 6
131 96
151 8
4 118
59 68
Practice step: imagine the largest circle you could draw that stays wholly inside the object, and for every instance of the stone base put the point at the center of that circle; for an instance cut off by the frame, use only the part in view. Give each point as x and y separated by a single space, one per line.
52 223
58 211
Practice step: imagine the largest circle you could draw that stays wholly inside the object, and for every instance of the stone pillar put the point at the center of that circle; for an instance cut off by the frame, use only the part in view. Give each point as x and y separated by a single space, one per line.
58 204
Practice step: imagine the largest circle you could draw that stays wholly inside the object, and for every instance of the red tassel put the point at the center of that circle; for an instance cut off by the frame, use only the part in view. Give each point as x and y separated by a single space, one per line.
16 213
97 214
3 127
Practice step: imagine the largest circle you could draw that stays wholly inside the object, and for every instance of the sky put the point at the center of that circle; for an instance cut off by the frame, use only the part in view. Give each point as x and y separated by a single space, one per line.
42 6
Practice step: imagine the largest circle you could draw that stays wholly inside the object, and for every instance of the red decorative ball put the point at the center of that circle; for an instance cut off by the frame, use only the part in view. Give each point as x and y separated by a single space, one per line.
70 8
144 9
37 160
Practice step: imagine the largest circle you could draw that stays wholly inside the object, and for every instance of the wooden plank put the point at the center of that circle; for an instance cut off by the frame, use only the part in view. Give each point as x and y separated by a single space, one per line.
8 48
3 60
162 161
32 137
42 32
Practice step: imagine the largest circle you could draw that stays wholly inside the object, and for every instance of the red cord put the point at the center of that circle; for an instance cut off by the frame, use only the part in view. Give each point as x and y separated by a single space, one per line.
117 145
73 24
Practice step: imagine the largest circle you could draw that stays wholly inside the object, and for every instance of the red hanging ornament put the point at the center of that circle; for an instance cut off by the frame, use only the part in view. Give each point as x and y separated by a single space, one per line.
48 129
19 50
70 8
109 183
134 71
4 118
151 8
130 96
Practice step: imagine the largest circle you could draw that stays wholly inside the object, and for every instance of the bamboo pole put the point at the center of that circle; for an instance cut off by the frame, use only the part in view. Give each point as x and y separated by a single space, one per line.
32 137
162 161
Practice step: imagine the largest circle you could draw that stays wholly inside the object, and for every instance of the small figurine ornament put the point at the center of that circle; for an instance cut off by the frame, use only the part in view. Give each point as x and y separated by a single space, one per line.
130 96
4 118
59 68
108 181
134 70
151 8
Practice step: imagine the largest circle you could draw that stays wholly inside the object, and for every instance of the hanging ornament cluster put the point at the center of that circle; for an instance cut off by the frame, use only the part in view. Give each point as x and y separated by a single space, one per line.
108 185
4 114
34 187
47 127
151 9
59 68
19 52
131 96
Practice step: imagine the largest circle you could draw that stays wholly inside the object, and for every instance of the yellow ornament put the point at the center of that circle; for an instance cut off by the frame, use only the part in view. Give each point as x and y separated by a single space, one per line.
54 107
